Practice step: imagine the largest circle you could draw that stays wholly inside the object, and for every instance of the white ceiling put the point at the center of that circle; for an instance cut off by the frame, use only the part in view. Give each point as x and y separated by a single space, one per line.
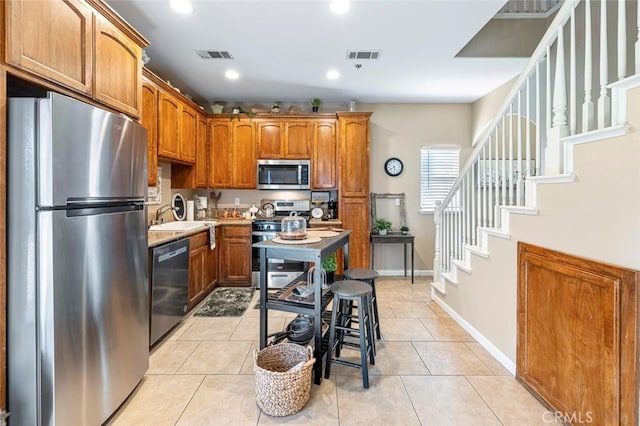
283 49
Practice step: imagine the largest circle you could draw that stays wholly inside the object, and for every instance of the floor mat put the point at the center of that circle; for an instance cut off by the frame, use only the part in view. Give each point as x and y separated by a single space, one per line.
226 302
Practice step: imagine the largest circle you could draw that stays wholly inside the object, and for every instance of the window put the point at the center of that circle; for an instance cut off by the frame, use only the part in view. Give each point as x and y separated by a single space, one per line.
439 169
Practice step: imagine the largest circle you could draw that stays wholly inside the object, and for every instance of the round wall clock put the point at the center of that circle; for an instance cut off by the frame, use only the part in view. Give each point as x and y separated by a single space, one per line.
393 166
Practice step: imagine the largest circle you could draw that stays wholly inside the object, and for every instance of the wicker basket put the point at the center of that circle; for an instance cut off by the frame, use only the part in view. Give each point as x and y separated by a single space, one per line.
280 392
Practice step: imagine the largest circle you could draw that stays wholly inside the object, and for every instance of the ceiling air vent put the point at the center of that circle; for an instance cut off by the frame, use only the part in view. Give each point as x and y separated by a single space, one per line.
214 54
364 54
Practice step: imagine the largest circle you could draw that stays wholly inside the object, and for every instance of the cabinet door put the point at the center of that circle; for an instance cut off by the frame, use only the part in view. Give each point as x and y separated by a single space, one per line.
244 155
202 153
188 132
197 274
269 139
323 167
117 68
354 156
354 213
52 39
236 254
168 126
297 140
220 149
150 122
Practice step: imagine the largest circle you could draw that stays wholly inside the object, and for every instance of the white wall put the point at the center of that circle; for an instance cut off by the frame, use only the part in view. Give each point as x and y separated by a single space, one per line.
399 130
596 217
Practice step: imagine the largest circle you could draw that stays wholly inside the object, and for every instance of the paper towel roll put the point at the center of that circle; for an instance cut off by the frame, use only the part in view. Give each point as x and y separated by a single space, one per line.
190 210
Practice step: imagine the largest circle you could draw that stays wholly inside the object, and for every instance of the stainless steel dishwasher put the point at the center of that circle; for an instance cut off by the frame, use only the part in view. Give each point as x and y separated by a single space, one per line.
169 286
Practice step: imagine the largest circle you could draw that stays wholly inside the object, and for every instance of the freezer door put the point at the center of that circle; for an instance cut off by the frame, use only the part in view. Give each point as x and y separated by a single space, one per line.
93 313
87 153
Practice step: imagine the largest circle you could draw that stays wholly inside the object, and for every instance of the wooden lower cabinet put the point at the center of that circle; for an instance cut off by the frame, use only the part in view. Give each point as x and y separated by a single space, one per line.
578 336
197 267
354 214
213 262
235 255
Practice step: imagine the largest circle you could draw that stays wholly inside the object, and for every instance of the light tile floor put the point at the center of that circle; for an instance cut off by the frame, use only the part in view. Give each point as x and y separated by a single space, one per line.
428 371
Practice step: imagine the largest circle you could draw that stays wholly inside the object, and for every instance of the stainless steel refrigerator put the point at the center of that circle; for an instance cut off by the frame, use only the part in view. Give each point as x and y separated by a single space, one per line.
78 299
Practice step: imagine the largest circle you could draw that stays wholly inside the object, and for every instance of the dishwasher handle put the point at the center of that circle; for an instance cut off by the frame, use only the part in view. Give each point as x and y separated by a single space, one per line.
169 255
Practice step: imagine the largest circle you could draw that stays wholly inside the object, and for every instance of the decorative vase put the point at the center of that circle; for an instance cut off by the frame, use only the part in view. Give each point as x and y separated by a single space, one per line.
330 276
315 108
382 232
405 232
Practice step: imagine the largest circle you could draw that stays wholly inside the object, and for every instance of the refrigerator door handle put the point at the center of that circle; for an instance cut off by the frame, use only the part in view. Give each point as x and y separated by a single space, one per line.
90 211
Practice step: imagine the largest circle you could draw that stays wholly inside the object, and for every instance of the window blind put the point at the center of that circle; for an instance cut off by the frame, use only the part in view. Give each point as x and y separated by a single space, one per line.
439 169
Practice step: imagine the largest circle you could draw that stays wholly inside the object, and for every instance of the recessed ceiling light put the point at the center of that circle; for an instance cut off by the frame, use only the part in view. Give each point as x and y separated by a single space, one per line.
182 6
333 75
339 7
232 75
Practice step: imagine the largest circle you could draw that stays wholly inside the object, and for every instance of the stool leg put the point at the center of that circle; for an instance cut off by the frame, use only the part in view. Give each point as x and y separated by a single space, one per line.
332 334
370 336
362 307
376 317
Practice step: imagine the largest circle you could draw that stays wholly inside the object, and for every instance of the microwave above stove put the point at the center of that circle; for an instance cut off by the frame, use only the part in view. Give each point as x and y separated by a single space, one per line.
284 174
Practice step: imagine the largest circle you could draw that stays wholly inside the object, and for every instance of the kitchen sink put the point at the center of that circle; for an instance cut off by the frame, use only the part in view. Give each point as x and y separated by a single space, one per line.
177 226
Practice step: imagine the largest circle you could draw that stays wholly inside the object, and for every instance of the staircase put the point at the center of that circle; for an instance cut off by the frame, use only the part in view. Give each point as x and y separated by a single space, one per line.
558 166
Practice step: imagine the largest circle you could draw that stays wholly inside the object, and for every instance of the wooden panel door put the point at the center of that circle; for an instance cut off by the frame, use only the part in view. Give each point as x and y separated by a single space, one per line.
202 154
269 139
323 167
297 138
150 122
52 39
578 335
354 155
117 68
168 126
188 134
220 154
197 275
236 255
354 214
244 155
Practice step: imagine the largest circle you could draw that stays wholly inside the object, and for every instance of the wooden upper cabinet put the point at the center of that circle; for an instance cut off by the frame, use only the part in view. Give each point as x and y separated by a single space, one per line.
220 153
117 68
53 39
354 154
150 122
202 153
168 127
278 139
188 131
244 155
323 167
269 139
297 139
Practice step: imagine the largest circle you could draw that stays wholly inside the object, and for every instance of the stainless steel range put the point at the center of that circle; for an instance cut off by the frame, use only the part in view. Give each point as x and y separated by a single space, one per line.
279 272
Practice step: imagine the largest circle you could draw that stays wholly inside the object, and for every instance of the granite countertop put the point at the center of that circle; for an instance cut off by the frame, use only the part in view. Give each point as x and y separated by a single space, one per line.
156 238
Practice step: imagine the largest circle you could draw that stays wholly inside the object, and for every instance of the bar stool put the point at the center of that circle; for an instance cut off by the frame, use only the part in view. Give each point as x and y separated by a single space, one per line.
369 276
342 319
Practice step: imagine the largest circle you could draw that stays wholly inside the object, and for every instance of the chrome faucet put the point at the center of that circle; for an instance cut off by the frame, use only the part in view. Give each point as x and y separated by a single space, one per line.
161 210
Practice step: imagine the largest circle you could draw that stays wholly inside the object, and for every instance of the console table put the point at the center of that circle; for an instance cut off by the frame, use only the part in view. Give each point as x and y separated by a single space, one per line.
316 253
393 238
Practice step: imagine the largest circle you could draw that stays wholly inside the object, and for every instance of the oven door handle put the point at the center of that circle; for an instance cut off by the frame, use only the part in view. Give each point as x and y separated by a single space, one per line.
261 233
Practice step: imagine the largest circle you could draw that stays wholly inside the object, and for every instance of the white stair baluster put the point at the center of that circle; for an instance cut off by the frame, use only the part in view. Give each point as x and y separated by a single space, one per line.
519 152
467 207
510 165
490 186
483 183
553 155
472 206
604 106
463 209
539 126
528 121
587 107
572 76
479 199
547 122
622 39
638 39
504 162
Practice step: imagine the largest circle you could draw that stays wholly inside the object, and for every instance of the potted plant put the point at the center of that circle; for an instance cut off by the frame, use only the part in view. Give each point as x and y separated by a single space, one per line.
383 226
315 104
404 230
330 265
